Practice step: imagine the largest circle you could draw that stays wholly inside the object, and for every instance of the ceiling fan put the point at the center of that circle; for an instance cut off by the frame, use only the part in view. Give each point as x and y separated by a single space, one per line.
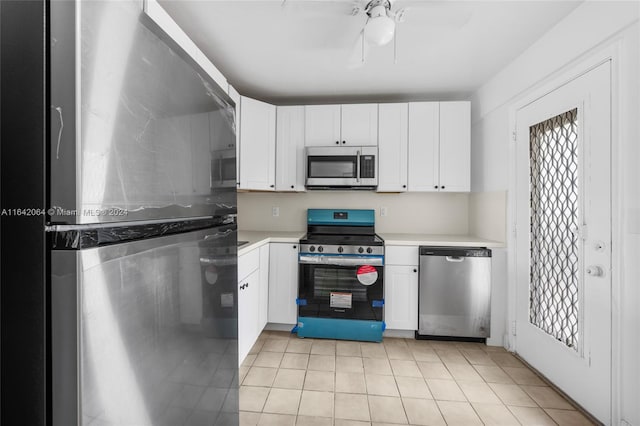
380 26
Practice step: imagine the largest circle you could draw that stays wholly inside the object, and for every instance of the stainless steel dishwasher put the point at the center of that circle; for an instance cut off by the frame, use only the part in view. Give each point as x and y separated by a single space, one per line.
454 292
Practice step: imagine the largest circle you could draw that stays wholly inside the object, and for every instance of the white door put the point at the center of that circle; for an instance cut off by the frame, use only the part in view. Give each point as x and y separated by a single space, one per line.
290 148
359 124
424 140
322 125
455 147
392 147
283 283
401 297
263 297
248 294
563 199
257 145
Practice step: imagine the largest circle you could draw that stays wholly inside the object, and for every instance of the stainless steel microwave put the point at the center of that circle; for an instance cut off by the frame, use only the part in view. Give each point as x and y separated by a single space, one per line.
342 167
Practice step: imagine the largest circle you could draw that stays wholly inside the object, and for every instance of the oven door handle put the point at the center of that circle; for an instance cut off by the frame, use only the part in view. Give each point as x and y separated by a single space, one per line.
340 260
358 166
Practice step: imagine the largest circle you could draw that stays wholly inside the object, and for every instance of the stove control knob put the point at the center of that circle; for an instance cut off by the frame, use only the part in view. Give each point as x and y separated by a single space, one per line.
369 250
320 249
340 249
312 248
360 250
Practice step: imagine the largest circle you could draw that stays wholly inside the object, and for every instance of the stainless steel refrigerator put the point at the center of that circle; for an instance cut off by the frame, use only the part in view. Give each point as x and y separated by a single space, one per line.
141 225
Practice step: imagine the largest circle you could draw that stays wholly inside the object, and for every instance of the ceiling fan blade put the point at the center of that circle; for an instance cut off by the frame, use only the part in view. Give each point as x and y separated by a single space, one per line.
435 13
359 52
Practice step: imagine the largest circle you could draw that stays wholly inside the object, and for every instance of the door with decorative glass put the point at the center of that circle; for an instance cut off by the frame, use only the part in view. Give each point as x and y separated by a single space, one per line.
563 239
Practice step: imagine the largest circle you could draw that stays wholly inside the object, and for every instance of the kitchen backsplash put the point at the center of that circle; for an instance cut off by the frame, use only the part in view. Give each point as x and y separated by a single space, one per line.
424 213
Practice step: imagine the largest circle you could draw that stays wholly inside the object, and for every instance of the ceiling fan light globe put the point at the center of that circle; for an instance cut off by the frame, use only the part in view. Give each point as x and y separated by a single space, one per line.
379 30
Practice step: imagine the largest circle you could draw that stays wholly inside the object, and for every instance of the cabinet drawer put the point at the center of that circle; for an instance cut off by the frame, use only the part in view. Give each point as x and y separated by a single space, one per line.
247 263
401 255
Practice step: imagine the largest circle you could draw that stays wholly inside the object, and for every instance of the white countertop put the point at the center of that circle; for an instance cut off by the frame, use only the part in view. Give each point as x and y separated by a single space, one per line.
259 238
437 240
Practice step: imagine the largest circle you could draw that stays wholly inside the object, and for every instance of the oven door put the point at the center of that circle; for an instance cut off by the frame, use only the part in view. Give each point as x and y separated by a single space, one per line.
335 286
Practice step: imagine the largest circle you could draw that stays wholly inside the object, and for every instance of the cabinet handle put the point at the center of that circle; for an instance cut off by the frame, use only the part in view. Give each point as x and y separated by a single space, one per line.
404 186
415 270
292 186
344 142
442 187
295 247
436 186
337 142
272 186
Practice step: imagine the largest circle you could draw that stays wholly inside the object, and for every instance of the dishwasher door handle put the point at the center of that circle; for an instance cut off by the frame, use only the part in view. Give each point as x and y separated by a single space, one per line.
454 259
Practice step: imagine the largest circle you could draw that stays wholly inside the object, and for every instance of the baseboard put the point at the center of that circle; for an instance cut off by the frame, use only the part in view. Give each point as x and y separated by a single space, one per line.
403 334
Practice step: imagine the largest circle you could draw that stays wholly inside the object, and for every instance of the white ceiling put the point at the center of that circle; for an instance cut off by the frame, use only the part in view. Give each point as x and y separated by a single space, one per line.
301 51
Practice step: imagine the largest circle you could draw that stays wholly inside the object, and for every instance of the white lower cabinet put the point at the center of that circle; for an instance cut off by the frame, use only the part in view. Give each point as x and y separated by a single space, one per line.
263 307
248 306
253 285
401 288
283 283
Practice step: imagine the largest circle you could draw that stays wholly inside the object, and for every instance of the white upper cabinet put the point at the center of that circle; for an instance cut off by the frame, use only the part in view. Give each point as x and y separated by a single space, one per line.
455 146
290 148
424 135
439 146
331 125
257 145
392 147
359 124
322 125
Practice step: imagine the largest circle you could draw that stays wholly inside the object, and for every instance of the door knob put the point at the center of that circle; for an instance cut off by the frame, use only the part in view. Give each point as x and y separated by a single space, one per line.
595 271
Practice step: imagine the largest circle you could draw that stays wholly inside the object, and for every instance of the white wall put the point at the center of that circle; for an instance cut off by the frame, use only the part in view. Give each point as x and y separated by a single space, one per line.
591 28
424 213
487 215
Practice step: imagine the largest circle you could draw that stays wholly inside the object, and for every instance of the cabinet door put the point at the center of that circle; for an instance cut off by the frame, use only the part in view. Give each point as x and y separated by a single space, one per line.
359 124
257 145
401 297
455 146
392 147
424 134
322 125
263 296
247 314
290 148
235 96
283 283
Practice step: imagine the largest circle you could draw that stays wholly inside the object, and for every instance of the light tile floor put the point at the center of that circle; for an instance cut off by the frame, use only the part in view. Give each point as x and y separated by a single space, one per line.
290 381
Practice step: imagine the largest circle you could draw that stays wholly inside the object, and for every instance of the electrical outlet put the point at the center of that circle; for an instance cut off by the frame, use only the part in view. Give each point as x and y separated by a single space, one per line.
275 211
383 211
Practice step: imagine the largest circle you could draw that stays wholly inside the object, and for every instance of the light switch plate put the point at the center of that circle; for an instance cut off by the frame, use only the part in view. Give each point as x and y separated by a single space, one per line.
383 211
275 211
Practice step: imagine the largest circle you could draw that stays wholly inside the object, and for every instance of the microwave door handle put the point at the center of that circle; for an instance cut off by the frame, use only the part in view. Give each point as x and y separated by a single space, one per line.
358 166
220 168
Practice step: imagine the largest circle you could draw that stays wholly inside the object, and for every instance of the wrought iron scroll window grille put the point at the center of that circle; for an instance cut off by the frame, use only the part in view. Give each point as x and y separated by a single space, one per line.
554 280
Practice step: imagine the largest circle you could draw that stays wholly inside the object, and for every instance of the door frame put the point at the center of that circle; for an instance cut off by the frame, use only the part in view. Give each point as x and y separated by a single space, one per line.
610 52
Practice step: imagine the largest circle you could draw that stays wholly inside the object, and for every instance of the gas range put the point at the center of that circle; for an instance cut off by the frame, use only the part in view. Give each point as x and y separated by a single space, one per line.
341 290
